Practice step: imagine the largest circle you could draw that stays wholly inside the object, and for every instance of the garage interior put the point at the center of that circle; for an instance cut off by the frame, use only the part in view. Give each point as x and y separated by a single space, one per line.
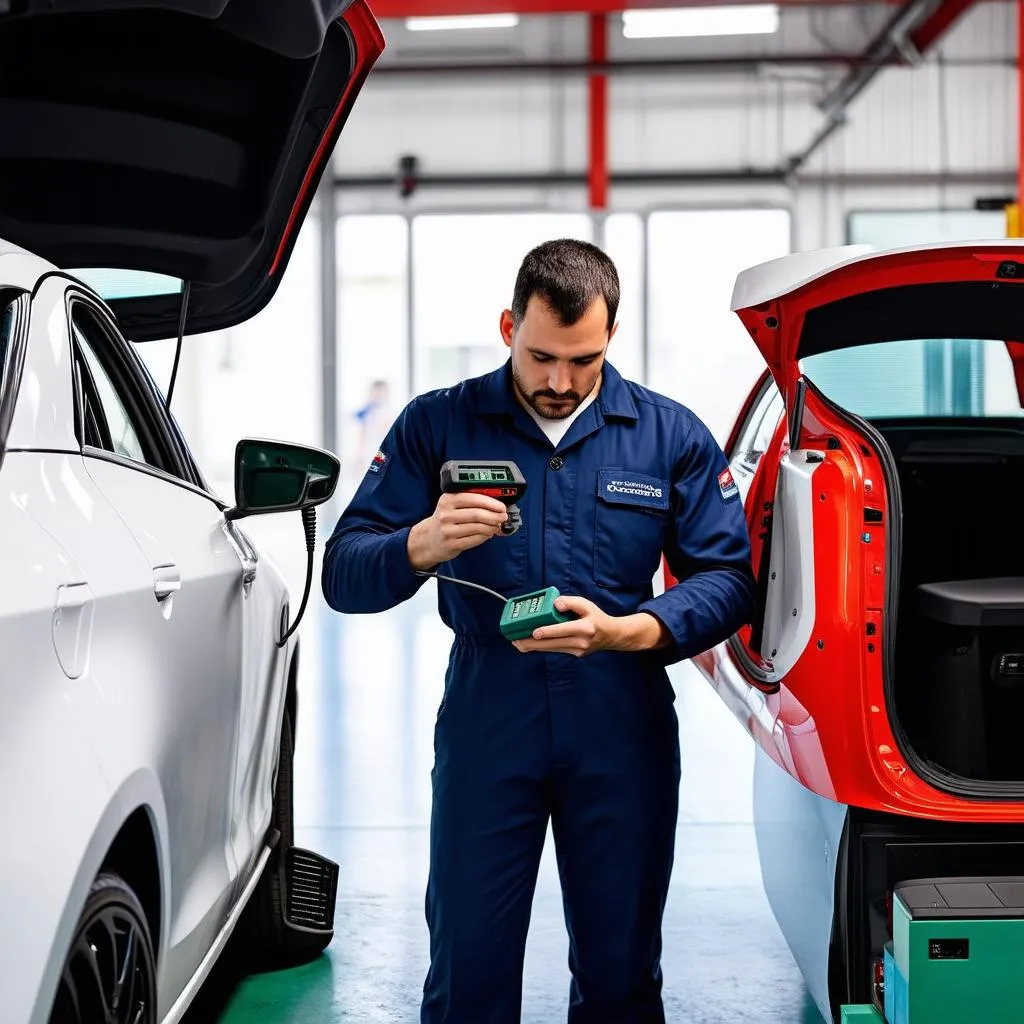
690 143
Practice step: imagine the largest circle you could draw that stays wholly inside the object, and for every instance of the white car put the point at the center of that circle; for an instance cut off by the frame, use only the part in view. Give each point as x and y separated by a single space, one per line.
148 698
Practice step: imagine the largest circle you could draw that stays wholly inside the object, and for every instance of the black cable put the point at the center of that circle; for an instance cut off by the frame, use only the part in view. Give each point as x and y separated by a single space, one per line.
185 292
465 583
309 525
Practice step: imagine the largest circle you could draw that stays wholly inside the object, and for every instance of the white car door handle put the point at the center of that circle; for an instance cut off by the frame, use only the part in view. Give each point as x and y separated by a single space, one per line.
166 581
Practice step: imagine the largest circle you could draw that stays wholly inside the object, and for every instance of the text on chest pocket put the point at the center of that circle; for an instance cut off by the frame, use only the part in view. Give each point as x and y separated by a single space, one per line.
629 527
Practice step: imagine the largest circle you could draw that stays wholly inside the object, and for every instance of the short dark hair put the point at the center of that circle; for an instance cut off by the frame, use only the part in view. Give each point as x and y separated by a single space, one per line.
568 275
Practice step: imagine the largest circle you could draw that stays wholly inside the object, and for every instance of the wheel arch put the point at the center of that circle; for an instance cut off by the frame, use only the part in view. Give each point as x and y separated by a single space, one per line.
133 857
134 814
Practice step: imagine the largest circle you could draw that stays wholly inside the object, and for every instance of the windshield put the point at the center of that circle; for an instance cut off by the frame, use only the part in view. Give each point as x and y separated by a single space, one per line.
956 377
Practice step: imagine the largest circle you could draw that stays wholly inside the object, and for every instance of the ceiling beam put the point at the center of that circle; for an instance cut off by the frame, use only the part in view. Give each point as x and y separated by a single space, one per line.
721 64
385 182
916 27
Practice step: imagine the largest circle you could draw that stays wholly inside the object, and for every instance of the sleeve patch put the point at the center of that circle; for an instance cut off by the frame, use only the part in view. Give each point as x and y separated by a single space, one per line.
727 485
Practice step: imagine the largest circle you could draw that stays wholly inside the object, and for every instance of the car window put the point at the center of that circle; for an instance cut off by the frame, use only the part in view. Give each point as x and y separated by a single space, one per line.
759 429
920 377
6 331
120 436
115 408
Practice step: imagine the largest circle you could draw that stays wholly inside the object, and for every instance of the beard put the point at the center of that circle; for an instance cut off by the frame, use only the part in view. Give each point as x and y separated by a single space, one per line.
551 405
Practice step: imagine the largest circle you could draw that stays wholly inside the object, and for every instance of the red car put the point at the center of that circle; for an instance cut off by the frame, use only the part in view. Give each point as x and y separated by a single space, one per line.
881 461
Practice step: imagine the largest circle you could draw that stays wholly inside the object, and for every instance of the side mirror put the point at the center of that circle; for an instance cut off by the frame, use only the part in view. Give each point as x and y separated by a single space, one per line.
272 476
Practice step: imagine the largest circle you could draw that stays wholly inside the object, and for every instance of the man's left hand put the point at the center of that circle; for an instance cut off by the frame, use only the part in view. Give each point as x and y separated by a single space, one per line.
594 630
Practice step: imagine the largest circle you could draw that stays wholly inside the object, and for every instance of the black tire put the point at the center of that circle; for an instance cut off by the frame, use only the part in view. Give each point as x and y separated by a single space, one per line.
266 943
109 972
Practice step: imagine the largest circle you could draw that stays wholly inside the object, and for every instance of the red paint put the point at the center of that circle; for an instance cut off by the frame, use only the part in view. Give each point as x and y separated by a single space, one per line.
368 42
831 726
427 8
933 28
597 86
496 492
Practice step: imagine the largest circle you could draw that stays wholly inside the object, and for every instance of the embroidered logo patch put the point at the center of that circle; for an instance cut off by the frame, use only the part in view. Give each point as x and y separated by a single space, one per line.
727 485
635 487
380 462
626 488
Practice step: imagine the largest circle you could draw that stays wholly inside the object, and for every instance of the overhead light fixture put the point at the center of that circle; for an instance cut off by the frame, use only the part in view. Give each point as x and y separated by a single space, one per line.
461 22
748 19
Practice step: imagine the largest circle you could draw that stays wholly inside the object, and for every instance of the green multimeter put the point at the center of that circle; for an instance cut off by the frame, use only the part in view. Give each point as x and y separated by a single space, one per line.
503 480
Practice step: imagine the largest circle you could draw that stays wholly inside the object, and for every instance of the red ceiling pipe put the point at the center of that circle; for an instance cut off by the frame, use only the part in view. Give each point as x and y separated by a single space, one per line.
598 89
939 23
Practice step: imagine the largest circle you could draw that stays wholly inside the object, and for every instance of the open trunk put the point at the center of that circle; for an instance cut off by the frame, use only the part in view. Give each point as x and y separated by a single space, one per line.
921 352
957 678
146 145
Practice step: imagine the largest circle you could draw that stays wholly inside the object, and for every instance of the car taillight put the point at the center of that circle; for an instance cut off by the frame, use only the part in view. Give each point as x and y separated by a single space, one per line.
878 972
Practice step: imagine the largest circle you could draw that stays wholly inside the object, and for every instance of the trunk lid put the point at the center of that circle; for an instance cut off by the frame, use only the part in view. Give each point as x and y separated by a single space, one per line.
809 303
145 143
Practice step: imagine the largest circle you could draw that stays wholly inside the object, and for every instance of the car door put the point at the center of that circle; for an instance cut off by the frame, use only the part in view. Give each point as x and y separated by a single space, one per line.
196 582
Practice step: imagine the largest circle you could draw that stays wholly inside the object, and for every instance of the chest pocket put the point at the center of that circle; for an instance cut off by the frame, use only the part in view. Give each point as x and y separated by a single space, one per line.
629 528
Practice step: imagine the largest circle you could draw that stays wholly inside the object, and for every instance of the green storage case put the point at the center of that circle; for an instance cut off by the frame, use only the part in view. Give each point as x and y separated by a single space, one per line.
958 947
866 1014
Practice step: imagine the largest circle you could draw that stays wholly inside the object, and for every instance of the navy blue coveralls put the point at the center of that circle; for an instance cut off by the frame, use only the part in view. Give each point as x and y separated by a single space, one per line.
590 742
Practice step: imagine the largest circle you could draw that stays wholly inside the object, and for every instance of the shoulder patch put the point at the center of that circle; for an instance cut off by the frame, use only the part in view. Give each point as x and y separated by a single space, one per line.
380 462
727 485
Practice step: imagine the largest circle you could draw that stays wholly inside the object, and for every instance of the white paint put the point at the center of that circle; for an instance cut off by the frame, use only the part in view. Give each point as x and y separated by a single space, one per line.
114 699
778 278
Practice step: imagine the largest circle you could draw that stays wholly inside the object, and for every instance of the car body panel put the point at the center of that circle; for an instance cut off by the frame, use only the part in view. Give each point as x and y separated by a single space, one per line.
175 139
43 417
146 694
172 149
807 679
839 738
799 836
190 694
774 301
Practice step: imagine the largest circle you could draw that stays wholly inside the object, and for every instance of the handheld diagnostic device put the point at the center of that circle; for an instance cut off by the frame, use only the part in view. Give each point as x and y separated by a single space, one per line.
522 615
503 480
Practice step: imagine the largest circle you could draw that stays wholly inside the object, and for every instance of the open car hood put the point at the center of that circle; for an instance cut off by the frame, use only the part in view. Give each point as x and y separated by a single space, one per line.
183 138
808 303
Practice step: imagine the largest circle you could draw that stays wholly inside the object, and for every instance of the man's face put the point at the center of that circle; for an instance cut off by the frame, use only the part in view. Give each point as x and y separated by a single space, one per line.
555 367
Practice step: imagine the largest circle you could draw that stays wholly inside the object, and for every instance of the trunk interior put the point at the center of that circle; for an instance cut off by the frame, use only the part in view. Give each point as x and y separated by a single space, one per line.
959 657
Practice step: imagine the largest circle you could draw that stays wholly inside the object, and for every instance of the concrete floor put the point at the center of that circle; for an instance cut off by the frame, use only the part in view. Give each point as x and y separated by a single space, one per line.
369 693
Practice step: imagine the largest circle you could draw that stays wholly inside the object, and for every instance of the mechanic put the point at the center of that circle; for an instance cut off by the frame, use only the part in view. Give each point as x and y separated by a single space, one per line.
577 724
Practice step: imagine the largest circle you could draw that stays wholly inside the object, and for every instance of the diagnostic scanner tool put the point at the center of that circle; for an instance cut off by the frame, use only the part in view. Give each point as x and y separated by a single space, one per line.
504 481
522 615
501 480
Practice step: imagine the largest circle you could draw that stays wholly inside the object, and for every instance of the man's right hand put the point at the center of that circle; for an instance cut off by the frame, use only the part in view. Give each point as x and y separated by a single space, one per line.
460 522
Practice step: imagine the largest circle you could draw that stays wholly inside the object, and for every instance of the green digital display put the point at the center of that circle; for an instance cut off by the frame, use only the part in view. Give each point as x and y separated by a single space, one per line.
485 475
